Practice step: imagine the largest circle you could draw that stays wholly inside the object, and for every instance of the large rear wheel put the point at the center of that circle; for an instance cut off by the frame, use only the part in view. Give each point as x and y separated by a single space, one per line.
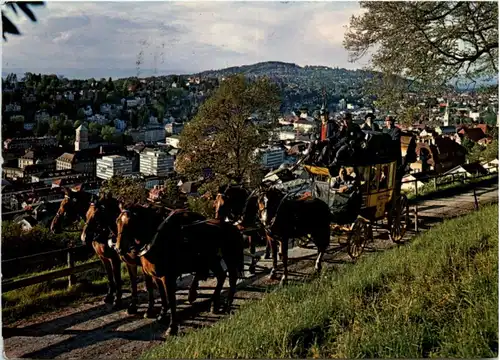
399 219
360 234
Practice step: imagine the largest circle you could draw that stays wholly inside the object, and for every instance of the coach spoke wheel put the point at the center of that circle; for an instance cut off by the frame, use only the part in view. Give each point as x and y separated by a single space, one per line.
399 219
357 238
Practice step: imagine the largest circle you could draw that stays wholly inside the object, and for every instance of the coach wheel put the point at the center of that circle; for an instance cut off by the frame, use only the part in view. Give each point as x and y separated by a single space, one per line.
360 234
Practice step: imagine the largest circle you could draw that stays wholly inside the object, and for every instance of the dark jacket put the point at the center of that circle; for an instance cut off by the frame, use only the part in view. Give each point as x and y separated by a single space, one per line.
374 127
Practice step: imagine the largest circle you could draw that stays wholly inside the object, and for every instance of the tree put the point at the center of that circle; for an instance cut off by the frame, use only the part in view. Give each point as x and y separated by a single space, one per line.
221 137
8 26
108 133
80 114
170 196
491 151
429 42
125 189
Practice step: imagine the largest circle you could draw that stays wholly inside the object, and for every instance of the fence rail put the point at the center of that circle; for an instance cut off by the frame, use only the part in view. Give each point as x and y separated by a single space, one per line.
71 253
449 179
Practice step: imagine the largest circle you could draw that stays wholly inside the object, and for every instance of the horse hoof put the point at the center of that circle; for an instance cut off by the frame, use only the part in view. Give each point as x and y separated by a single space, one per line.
172 331
149 314
215 309
267 256
283 282
193 295
272 275
109 299
132 310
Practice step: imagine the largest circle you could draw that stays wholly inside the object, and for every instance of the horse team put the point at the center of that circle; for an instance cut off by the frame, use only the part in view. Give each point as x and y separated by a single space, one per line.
167 245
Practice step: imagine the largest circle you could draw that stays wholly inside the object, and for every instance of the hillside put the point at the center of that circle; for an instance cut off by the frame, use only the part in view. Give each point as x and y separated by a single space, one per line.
304 85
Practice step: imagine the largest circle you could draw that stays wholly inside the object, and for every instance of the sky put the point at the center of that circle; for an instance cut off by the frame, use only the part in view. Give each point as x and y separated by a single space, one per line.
102 39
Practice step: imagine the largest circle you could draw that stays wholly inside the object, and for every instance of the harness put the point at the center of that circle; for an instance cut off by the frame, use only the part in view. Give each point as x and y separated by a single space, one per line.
269 226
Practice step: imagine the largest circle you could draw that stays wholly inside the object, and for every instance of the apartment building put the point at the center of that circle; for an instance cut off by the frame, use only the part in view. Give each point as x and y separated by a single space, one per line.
156 163
114 165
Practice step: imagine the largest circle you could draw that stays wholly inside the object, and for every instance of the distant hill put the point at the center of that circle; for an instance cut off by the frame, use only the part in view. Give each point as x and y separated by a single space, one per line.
313 75
303 85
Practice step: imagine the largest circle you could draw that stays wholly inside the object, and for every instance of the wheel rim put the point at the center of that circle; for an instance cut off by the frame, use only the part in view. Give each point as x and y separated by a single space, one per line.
357 238
399 219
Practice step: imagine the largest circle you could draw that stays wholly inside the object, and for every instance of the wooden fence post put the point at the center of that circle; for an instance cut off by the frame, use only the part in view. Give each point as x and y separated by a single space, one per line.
416 188
71 264
476 203
435 184
416 218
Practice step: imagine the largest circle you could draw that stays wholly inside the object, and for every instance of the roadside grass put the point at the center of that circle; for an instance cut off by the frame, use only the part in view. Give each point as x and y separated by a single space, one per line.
428 188
436 296
51 295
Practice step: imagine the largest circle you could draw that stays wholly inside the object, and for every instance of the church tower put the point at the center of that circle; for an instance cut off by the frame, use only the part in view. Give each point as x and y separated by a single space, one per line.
81 138
446 117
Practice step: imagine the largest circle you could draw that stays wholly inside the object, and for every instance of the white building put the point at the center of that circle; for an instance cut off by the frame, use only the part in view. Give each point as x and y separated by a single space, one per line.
12 108
172 141
174 128
132 103
304 125
109 166
154 133
272 156
156 162
98 118
286 135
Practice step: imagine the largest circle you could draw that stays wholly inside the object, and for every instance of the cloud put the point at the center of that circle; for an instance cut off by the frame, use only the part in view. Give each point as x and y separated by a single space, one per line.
178 36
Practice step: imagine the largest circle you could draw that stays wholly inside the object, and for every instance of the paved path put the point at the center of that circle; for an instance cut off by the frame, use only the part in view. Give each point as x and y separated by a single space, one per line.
92 330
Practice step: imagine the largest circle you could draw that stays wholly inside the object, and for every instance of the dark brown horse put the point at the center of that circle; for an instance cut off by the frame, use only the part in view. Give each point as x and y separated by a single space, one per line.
100 224
185 242
235 204
72 208
287 218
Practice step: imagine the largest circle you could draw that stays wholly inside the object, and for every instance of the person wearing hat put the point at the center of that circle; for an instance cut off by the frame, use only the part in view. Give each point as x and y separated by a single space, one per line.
328 127
392 129
369 123
395 134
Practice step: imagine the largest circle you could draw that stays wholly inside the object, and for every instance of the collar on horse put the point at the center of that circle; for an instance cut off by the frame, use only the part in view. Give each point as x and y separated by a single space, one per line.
269 226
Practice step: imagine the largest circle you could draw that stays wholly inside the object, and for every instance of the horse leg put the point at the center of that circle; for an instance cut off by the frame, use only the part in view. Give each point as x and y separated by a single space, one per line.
322 245
274 250
233 279
268 248
284 254
162 318
111 281
193 289
170 284
220 274
251 243
150 312
132 272
116 265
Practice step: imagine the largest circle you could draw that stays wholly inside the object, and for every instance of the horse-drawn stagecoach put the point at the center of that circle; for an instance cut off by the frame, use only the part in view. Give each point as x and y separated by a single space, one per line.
372 194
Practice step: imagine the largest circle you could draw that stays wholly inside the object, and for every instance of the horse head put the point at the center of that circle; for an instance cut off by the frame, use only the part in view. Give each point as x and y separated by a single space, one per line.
125 230
268 201
68 210
99 219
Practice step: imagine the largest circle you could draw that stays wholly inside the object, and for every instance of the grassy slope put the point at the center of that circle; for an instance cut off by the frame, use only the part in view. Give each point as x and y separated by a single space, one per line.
435 297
